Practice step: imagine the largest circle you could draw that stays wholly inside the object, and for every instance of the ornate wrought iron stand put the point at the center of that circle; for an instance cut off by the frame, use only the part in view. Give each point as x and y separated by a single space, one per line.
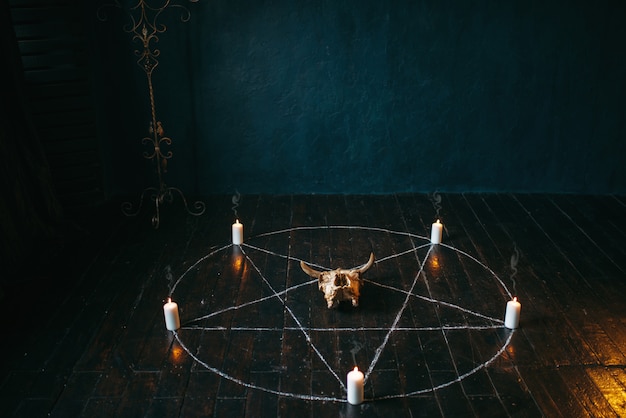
145 30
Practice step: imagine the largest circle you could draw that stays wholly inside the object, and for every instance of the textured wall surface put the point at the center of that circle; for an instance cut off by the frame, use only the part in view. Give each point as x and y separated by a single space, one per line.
378 97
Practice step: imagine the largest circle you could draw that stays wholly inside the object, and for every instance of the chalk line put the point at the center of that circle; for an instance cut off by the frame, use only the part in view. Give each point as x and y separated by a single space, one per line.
495 323
458 378
243 305
251 386
293 316
440 302
380 348
194 266
344 329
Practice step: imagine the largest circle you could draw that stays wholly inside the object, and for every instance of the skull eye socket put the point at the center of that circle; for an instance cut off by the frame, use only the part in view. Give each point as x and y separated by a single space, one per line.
340 280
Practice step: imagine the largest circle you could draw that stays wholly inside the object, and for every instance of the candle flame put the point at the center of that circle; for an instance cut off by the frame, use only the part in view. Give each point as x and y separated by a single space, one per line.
356 369
514 298
169 300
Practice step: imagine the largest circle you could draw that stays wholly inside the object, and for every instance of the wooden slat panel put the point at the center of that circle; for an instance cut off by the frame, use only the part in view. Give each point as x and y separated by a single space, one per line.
69 137
60 104
53 89
32 12
54 52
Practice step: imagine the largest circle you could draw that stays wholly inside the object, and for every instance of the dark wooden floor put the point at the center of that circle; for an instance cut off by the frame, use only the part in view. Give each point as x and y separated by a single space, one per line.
85 333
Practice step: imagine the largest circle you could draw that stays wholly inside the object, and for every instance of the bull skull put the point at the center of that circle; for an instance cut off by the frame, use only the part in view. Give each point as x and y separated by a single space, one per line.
339 284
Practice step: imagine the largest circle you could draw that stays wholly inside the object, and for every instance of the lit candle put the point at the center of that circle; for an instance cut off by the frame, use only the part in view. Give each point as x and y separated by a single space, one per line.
355 386
511 318
436 232
237 233
170 310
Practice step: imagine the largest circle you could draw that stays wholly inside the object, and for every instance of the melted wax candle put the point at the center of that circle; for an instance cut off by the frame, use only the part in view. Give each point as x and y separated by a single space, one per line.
511 318
237 233
355 386
436 232
170 311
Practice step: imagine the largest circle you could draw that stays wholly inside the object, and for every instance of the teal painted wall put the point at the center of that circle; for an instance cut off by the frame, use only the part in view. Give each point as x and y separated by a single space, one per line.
372 97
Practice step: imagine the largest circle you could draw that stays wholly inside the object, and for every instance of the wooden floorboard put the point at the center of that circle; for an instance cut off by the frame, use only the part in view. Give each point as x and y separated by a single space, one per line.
86 335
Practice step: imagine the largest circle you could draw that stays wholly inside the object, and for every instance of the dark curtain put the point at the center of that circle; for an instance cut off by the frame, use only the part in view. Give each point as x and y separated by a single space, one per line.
29 209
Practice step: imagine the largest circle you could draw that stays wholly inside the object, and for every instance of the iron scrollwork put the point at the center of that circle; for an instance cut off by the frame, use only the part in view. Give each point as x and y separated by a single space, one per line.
145 29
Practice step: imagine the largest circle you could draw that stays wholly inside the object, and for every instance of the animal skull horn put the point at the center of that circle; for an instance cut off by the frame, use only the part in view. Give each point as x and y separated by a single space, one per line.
339 284
316 273
367 265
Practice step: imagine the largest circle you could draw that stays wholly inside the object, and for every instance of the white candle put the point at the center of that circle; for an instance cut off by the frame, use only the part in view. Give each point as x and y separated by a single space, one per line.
355 386
170 310
237 233
436 232
511 318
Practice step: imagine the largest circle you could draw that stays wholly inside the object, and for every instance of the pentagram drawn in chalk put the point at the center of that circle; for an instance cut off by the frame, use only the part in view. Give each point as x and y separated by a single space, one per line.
426 310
